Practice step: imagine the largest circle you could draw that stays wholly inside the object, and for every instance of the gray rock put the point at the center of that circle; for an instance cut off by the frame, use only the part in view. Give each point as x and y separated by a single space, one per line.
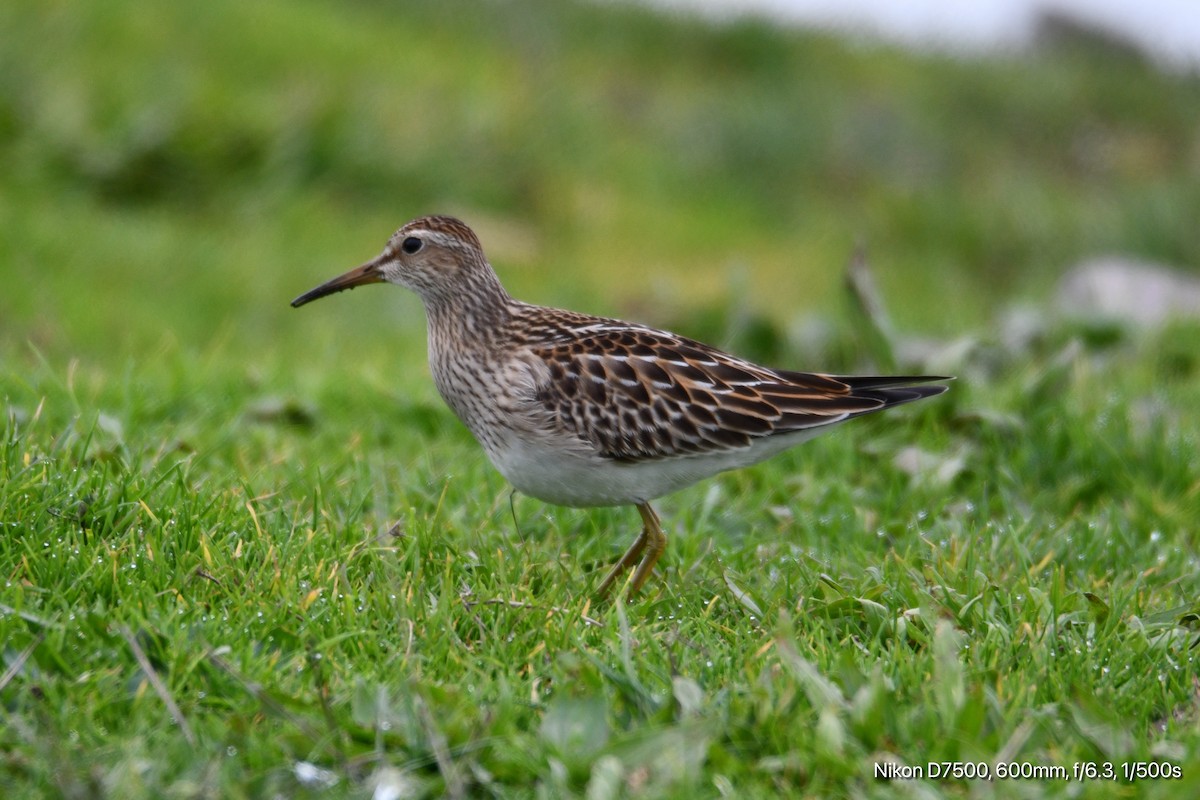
1137 293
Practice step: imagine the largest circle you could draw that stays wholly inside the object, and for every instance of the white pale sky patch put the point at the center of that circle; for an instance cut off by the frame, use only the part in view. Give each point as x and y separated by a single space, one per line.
1169 30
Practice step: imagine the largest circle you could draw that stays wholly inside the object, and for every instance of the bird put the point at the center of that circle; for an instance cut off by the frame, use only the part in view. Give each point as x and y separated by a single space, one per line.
586 411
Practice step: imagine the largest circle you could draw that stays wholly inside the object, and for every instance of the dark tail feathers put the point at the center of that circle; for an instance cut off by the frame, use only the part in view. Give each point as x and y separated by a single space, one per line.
893 390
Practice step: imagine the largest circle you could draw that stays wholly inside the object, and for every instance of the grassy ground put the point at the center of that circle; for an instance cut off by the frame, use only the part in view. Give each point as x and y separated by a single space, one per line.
247 552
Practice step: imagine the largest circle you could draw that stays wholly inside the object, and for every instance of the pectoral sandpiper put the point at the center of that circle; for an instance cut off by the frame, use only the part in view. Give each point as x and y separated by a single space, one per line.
584 411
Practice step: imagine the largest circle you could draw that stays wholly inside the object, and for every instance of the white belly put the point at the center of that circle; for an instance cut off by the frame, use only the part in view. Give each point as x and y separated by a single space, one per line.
579 478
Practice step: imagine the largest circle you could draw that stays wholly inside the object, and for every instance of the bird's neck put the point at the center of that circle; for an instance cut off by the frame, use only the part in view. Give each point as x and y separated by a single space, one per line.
472 314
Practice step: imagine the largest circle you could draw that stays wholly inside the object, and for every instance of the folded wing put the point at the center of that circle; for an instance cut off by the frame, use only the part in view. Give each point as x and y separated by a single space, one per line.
639 394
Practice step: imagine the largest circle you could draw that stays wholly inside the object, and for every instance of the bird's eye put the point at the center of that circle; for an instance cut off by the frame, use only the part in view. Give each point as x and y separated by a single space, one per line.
411 245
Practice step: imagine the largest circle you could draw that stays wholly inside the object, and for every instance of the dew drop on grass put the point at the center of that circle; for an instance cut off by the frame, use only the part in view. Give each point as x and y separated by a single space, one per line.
231 751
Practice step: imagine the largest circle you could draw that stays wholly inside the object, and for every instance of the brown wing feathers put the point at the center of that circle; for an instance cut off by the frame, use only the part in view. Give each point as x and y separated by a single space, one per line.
644 394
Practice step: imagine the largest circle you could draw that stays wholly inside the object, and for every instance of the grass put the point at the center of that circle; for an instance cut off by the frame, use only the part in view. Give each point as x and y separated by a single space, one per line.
247 552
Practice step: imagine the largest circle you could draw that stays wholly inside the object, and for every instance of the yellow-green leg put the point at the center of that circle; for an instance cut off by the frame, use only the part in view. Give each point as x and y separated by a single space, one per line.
652 541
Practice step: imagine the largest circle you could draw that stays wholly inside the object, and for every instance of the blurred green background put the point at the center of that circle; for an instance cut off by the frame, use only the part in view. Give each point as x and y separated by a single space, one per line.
178 172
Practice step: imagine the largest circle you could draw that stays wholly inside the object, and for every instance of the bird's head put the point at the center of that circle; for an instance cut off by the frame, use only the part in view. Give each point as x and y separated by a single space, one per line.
437 257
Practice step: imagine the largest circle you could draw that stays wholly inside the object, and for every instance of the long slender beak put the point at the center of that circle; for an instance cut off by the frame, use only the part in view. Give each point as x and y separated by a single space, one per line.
369 272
